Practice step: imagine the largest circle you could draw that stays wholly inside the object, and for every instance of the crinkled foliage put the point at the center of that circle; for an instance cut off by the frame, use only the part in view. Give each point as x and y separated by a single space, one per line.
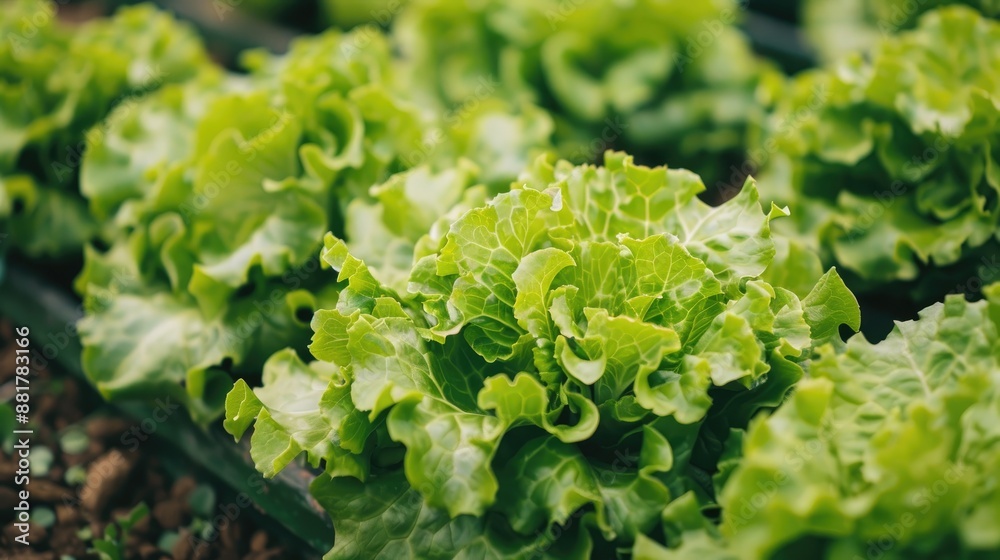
669 79
891 159
557 369
838 27
57 83
887 449
216 195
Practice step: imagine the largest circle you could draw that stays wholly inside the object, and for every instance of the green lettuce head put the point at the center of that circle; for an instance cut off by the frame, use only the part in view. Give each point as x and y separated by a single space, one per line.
56 86
668 80
885 450
565 359
216 195
891 160
838 27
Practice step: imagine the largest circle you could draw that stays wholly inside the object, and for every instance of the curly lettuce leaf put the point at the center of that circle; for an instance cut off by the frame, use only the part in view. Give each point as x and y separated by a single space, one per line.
57 86
27 208
217 217
386 518
565 347
836 28
678 86
889 158
218 191
889 445
144 342
863 422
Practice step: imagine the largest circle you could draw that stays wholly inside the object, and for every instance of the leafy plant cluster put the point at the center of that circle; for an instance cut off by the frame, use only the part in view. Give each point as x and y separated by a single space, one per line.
57 85
891 158
583 342
219 192
837 28
369 251
666 80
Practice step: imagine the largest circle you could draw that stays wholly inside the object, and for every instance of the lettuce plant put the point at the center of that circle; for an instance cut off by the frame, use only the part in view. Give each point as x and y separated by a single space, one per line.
665 79
216 195
564 359
55 84
885 450
891 159
838 27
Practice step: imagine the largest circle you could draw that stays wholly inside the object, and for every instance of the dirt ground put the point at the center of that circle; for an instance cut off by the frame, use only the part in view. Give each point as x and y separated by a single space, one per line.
89 475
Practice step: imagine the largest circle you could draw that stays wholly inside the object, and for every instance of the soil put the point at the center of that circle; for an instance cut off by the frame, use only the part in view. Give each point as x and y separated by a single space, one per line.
94 481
